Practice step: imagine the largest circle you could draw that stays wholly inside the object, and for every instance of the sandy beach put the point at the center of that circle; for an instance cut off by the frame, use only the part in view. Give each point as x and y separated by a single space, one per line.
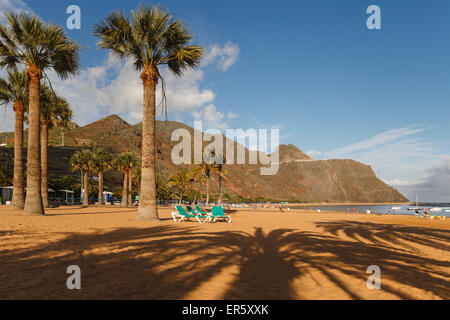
261 255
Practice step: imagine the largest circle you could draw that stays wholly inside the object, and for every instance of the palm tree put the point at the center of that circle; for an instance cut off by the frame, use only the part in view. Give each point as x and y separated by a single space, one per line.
55 113
101 162
162 188
182 181
222 173
14 91
151 38
26 40
83 160
133 162
202 174
122 163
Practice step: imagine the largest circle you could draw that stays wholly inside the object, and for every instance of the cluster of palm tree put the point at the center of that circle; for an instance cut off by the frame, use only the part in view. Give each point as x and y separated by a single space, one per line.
35 47
97 162
151 38
201 175
55 112
125 163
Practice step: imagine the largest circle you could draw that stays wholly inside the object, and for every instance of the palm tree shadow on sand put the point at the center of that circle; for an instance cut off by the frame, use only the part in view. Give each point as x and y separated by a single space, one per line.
171 262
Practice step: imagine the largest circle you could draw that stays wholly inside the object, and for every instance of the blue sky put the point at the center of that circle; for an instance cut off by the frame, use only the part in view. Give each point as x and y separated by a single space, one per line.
311 68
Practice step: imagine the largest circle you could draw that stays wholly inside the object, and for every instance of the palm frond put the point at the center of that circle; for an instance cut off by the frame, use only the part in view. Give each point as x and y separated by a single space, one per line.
14 88
26 40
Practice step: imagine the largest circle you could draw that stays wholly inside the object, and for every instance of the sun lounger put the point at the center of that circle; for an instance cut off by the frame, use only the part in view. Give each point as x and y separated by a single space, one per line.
420 215
192 211
217 213
199 210
427 215
182 215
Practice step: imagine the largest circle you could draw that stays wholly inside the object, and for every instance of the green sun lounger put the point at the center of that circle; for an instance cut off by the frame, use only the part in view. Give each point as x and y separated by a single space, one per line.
192 211
217 213
199 210
182 215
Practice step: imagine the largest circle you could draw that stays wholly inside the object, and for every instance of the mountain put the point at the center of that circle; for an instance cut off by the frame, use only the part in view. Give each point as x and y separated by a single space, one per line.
300 178
289 153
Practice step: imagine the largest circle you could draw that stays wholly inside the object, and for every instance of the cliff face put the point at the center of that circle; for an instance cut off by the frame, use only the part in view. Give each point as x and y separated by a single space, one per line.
299 178
330 180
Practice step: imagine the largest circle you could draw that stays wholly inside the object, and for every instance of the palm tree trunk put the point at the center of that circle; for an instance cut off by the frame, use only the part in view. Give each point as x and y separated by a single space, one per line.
130 186
100 187
125 187
18 200
207 190
44 163
86 189
220 187
147 200
33 201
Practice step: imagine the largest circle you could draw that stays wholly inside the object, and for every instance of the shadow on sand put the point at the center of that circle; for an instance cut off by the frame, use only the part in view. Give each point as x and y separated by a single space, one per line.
169 262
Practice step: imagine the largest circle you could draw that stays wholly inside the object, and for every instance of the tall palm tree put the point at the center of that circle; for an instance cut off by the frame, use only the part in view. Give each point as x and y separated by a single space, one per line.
14 90
121 162
101 162
55 113
182 181
83 160
25 40
151 38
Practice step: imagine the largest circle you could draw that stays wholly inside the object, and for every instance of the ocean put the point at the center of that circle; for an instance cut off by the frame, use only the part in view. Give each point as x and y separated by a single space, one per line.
436 210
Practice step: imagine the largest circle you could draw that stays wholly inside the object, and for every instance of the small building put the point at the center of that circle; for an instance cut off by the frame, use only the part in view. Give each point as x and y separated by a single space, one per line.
107 196
67 196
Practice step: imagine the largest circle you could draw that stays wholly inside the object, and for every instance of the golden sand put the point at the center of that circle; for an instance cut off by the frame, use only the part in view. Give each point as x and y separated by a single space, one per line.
261 255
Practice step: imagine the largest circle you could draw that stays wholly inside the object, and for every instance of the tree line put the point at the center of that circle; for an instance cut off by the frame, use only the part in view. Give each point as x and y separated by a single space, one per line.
178 186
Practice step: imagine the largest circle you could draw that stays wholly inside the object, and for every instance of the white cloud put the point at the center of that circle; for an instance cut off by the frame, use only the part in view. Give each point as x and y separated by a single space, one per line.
212 119
93 95
433 186
375 142
315 154
6 118
184 94
402 159
224 56
16 6
394 154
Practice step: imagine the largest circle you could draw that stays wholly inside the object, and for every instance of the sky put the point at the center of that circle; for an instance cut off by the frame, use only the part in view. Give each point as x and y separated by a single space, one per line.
312 69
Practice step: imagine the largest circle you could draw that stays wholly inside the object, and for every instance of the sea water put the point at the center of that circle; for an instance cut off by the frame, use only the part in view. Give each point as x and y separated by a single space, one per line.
376 209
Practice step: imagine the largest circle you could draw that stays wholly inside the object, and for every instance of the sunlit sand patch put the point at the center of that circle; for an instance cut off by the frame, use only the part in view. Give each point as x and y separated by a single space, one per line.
215 287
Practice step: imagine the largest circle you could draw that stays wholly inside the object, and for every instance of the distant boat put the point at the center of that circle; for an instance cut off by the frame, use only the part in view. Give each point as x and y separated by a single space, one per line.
396 208
436 209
